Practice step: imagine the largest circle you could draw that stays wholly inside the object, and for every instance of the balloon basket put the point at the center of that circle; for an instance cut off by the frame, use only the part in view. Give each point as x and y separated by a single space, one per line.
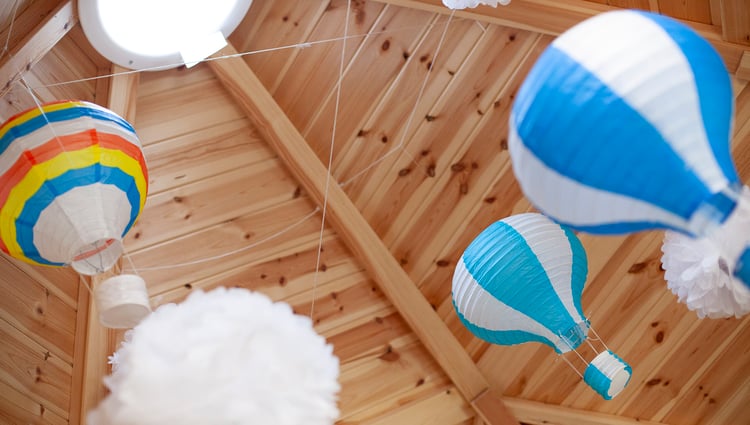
607 374
122 301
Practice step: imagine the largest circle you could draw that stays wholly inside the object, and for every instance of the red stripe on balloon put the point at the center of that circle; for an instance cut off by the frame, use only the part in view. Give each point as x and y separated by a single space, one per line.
67 143
89 253
114 142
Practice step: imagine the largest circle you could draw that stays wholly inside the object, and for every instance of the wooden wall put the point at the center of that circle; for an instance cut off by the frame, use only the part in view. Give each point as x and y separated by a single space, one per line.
37 333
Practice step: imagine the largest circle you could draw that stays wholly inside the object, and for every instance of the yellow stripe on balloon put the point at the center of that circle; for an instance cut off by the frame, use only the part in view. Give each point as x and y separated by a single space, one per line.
33 113
55 167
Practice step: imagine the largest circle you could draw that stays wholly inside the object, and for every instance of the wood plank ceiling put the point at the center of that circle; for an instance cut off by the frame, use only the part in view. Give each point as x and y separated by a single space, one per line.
419 166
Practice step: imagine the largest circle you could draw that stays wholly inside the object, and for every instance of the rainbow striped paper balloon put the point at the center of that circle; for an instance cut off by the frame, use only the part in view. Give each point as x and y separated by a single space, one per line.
73 180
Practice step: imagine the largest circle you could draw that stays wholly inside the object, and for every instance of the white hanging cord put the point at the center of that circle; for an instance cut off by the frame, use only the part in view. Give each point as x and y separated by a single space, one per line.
10 29
302 45
599 338
330 154
136 270
227 254
38 104
592 346
130 260
86 284
562 356
572 348
297 45
399 146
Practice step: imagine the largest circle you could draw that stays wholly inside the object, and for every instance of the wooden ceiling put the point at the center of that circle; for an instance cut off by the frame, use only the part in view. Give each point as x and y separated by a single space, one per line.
239 151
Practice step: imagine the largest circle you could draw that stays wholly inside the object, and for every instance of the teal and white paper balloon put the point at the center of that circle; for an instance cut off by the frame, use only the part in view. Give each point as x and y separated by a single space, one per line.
624 124
520 280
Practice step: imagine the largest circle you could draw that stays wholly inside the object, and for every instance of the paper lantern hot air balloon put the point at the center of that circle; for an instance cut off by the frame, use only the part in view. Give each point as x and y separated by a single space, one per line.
73 180
520 280
623 124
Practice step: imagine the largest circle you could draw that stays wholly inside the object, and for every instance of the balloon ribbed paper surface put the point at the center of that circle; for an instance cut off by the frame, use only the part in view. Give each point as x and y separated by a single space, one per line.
73 180
623 124
521 280
228 356
608 374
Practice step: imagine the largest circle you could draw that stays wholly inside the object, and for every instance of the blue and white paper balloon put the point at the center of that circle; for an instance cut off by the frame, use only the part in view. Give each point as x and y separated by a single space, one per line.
624 124
520 280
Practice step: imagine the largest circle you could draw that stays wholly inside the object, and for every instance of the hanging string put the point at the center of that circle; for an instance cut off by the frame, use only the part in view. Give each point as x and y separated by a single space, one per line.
278 48
399 146
236 251
565 340
302 45
10 29
330 155
130 260
598 338
332 144
100 268
86 284
571 365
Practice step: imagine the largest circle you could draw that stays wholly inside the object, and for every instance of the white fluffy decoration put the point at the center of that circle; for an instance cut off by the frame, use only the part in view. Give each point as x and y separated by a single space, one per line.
463 4
700 276
229 356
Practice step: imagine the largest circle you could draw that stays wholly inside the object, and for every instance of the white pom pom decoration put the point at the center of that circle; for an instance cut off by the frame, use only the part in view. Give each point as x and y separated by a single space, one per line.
463 4
700 271
700 276
229 356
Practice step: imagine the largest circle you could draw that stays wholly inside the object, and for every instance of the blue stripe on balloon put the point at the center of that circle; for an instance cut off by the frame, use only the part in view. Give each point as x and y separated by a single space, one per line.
600 382
510 337
550 106
67 181
620 227
742 267
579 269
713 85
28 127
597 380
493 264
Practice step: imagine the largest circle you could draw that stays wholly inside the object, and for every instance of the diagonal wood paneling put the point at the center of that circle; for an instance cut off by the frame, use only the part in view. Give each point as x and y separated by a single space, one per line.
554 17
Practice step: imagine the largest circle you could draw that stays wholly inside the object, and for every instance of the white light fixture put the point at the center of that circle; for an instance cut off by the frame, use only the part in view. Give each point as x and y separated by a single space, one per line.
147 34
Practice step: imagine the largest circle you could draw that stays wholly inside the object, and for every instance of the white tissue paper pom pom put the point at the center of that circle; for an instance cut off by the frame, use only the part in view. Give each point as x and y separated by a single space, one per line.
463 4
229 356
700 276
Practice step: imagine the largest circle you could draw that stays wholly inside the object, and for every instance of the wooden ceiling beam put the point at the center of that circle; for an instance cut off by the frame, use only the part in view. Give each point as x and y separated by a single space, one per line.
743 70
536 413
97 341
735 21
250 94
32 47
555 16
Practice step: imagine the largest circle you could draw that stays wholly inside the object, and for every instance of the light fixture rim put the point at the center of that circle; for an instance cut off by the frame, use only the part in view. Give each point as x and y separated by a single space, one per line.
101 40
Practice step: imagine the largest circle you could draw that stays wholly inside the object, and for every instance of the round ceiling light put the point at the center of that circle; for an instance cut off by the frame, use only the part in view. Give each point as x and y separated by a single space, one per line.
159 34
